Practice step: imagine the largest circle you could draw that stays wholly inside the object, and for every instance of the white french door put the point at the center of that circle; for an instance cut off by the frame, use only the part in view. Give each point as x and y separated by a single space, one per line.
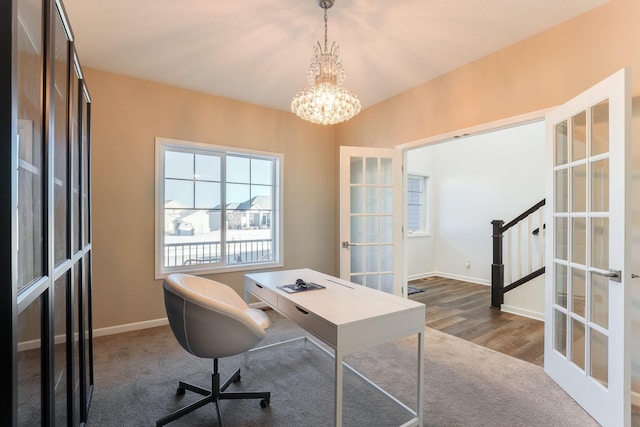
588 249
371 217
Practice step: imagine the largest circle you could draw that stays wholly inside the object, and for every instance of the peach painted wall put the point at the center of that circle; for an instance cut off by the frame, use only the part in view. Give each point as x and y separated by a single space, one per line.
127 115
537 73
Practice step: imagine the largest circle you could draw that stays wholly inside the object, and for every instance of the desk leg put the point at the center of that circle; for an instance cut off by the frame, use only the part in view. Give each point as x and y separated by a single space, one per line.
420 403
338 389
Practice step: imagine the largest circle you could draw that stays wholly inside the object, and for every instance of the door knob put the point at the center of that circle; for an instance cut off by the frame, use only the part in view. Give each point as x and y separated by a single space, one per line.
346 244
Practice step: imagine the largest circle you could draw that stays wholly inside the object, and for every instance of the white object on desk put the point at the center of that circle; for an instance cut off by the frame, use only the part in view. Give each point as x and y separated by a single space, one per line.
346 316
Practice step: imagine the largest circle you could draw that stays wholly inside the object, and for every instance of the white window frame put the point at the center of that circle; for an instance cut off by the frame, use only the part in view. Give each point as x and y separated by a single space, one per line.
425 229
162 144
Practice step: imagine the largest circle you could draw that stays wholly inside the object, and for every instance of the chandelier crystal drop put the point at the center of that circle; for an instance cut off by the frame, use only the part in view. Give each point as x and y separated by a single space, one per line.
326 102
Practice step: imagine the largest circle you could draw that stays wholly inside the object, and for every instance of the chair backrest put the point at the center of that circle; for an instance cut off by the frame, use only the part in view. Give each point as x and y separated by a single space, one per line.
208 318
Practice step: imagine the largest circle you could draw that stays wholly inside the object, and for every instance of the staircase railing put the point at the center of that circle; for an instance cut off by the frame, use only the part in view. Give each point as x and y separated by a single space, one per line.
524 242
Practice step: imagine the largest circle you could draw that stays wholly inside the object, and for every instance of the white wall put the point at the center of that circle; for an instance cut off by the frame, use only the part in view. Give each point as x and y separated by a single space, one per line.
474 180
421 248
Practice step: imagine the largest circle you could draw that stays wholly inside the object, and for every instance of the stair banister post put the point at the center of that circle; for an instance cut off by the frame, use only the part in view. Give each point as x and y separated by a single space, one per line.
497 267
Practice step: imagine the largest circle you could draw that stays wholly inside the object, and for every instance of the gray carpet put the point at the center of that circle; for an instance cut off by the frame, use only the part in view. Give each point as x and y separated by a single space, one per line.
136 375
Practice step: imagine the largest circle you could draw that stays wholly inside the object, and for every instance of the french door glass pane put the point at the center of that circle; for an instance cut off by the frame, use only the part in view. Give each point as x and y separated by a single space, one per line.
561 285
562 237
29 76
578 289
357 259
386 171
600 186
371 170
579 136
357 170
599 357
357 229
560 332
561 143
386 200
599 307
386 229
357 200
372 256
579 237
578 188
386 283
386 258
372 281
561 190
60 150
30 365
357 279
372 233
371 200
577 343
600 128
600 243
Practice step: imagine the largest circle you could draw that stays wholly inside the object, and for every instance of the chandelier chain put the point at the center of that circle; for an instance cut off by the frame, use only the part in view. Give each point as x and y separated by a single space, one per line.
325 29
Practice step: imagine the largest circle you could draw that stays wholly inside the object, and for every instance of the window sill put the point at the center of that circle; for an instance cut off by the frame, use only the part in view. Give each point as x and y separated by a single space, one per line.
208 269
411 235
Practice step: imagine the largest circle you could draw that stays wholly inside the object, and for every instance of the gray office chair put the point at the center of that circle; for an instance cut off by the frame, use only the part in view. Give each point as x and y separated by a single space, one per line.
211 321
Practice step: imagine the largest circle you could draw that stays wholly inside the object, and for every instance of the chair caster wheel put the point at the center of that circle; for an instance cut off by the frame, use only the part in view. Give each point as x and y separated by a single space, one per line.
237 379
180 391
264 403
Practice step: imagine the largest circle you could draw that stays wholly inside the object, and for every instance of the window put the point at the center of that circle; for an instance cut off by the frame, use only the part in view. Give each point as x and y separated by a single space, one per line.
417 205
217 208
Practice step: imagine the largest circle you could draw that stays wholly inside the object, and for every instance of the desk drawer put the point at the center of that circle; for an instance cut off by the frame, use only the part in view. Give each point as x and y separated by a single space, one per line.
262 292
312 323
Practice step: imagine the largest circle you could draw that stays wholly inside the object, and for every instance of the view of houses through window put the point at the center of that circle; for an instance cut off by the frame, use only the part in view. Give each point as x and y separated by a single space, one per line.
218 208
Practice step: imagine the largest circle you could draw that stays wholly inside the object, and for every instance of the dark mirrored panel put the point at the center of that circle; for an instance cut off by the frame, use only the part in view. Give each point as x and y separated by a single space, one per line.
60 97
75 322
76 160
87 365
30 365
61 297
29 74
85 149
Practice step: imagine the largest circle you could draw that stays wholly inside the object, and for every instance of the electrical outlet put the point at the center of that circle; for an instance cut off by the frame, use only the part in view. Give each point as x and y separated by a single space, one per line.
467 264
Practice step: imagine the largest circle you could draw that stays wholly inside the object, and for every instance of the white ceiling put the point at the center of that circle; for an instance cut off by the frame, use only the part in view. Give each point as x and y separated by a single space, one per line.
258 51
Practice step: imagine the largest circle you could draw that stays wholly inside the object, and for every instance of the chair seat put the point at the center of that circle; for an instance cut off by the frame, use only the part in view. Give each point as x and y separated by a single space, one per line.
259 316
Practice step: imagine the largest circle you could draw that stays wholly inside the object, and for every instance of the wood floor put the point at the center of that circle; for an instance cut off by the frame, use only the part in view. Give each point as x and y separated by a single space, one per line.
463 309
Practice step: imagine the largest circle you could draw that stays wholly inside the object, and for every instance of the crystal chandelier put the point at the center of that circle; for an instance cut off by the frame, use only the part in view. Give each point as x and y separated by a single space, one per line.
326 101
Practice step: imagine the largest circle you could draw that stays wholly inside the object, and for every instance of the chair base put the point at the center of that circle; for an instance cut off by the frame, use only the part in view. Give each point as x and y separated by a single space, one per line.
215 395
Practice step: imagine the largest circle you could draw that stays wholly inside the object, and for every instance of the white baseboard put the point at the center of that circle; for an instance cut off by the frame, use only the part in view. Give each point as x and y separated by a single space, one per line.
475 280
130 327
147 324
522 312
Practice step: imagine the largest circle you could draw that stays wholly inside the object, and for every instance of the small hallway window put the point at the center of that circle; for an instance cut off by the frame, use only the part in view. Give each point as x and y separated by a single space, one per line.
417 205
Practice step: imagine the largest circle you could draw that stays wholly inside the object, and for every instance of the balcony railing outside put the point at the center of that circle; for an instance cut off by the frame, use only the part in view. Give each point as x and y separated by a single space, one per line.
237 252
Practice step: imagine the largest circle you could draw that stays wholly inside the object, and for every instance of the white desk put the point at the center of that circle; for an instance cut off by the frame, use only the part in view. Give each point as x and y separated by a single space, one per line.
346 316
